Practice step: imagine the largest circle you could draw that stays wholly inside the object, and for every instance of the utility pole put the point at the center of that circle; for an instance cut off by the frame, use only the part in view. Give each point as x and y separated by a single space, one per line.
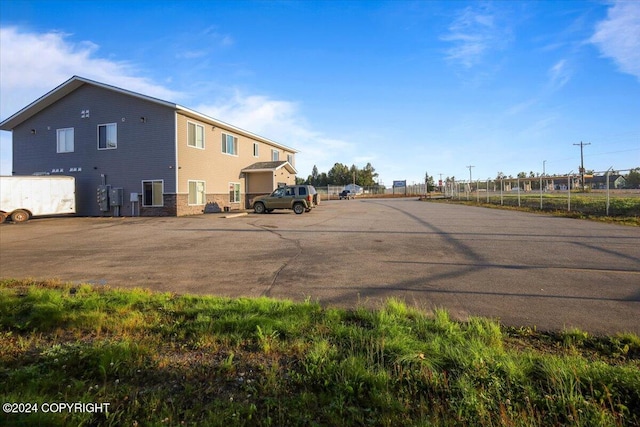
470 176
582 144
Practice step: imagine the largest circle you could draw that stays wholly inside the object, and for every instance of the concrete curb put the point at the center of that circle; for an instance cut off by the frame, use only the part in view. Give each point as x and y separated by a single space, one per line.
235 215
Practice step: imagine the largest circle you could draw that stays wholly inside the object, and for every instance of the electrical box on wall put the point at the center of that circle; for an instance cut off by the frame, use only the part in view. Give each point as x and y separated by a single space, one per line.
103 197
116 196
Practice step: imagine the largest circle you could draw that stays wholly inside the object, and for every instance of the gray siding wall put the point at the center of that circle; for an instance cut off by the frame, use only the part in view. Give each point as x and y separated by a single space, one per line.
145 149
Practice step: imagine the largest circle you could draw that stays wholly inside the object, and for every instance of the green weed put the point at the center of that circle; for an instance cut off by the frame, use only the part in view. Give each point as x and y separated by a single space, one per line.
165 359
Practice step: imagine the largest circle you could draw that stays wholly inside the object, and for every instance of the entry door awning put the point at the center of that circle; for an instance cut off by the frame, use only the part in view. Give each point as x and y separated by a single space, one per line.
270 167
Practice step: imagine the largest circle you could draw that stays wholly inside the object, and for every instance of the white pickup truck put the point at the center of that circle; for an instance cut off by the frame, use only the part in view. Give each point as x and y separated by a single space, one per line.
22 197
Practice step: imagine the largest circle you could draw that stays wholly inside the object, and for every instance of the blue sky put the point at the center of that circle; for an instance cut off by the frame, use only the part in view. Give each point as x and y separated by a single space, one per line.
410 86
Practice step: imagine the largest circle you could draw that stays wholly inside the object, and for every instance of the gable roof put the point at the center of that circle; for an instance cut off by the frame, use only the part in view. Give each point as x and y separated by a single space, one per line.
603 178
63 90
270 167
76 82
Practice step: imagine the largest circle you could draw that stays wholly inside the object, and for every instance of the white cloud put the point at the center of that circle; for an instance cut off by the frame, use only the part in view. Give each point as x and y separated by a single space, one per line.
31 64
222 40
522 106
539 128
206 42
618 36
280 121
473 34
559 74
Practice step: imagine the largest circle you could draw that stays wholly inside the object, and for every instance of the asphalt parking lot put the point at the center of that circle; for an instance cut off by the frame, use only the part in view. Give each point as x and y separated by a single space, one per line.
524 269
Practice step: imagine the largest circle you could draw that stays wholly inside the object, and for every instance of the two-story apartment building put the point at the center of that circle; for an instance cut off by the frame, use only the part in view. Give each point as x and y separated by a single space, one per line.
165 158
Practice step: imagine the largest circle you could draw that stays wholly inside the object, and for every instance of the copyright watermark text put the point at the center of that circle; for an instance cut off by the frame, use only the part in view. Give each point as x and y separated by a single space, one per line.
54 407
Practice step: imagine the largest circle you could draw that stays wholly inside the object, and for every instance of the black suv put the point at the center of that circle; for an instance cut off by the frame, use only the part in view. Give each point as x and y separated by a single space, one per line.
346 194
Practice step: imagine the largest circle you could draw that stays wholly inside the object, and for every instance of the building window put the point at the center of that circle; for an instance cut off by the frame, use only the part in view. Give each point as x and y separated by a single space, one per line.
256 149
107 136
234 192
229 144
290 159
275 155
195 135
152 193
65 140
197 195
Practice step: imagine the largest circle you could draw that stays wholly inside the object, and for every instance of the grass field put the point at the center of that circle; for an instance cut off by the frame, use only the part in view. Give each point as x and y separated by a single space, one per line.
624 207
166 359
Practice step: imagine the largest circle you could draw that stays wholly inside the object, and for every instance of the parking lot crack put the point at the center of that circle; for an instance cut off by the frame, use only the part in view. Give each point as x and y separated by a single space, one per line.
296 242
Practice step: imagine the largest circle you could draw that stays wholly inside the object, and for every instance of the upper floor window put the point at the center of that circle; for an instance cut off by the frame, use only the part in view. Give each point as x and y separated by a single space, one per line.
195 135
256 149
229 144
107 136
290 159
64 140
275 155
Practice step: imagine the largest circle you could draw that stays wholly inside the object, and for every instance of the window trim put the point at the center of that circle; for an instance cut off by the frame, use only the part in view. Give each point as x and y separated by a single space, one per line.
275 155
239 191
225 148
73 142
106 141
196 125
161 181
256 149
204 192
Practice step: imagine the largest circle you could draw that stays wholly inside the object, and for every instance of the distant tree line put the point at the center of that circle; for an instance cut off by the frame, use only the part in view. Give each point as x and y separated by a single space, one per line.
341 174
633 178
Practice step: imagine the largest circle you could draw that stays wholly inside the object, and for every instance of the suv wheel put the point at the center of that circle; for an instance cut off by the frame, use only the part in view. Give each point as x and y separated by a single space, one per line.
298 208
259 208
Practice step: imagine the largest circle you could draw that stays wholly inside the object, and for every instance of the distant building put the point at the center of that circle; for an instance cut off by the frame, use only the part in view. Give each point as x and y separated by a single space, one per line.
599 182
165 159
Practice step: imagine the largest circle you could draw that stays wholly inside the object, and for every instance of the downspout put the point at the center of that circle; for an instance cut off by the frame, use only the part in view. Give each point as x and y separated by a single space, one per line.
247 202
175 139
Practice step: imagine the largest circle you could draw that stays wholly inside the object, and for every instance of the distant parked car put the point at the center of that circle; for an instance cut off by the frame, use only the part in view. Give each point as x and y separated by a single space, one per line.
346 194
299 198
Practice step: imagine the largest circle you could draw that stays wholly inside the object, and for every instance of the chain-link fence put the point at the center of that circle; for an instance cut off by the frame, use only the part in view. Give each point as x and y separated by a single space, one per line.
332 192
611 193
605 193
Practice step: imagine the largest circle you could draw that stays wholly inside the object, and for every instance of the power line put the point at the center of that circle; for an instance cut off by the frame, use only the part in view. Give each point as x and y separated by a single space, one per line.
612 152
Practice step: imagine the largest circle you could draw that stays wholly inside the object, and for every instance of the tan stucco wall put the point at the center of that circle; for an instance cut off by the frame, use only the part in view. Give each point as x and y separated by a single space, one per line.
218 169
260 182
284 177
